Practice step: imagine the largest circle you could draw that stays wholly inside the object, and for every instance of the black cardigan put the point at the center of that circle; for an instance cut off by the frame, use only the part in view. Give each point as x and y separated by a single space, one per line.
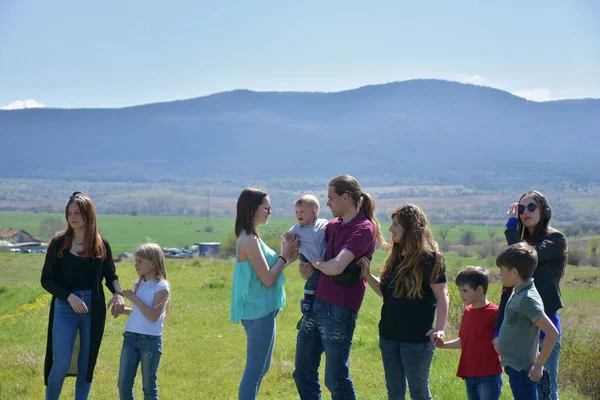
551 247
51 281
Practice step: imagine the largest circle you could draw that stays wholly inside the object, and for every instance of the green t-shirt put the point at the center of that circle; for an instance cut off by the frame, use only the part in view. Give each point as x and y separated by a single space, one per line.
519 335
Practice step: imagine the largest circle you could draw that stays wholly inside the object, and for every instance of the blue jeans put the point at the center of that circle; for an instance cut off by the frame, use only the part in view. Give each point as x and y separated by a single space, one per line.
522 387
65 325
328 329
260 334
484 387
548 385
406 362
139 348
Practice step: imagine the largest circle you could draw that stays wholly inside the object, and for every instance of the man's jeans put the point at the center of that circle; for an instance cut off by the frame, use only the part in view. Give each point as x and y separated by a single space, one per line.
406 363
65 325
328 328
139 348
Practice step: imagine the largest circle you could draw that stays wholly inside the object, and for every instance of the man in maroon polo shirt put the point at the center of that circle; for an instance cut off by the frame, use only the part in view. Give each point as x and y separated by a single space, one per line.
329 327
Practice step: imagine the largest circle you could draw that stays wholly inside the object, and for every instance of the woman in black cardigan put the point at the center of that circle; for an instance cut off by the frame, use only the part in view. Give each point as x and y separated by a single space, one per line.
529 221
76 262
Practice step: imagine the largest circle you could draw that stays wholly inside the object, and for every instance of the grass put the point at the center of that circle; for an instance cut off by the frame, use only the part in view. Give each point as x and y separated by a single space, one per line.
204 353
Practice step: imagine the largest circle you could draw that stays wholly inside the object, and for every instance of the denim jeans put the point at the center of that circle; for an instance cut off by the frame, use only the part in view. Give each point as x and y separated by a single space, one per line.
406 362
522 387
548 385
65 325
484 387
260 334
327 329
139 349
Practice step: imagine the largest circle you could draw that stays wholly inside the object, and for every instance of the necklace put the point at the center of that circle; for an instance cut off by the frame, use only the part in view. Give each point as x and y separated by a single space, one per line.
78 243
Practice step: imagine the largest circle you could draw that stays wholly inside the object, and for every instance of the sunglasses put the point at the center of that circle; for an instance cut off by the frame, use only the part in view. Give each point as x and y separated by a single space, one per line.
531 207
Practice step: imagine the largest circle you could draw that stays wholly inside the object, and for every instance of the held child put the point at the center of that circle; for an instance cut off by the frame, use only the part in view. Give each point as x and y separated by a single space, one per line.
310 231
479 363
524 317
142 341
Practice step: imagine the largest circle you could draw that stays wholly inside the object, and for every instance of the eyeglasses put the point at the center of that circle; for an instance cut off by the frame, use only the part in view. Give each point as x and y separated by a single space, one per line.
531 207
266 208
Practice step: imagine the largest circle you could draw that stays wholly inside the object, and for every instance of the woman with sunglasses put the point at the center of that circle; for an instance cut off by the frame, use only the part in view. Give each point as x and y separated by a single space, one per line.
77 261
257 290
528 220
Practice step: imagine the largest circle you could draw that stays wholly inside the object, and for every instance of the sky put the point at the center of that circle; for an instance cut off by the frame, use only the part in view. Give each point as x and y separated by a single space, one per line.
73 54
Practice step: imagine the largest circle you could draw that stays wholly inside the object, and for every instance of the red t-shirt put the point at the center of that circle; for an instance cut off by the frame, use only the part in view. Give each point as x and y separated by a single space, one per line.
478 357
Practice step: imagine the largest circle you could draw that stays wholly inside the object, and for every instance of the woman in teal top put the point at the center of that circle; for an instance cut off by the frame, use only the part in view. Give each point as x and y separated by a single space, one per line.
257 292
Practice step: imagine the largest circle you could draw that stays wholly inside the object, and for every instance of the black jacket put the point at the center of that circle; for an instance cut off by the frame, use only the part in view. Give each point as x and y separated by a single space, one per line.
51 281
551 247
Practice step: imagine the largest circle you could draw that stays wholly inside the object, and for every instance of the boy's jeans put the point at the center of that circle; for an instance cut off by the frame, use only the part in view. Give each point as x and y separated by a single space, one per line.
522 387
328 329
406 363
260 335
65 325
139 348
484 387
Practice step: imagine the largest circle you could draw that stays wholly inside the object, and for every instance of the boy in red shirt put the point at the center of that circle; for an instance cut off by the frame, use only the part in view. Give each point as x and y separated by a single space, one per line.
479 363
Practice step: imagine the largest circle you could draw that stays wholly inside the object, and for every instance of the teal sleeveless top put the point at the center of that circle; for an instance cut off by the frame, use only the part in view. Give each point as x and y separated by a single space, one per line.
250 298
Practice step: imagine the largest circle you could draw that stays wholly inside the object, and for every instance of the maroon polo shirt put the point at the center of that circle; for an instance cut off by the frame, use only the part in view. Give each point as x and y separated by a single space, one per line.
358 237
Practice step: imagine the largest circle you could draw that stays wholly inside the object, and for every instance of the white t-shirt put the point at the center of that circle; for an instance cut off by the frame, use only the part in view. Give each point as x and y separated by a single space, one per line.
137 322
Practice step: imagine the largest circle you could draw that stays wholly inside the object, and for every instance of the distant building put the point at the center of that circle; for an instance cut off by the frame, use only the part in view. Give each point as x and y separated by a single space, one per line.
16 236
211 249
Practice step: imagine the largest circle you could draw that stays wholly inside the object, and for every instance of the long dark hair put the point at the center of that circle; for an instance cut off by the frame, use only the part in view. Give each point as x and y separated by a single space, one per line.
248 202
542 226
93 246
347 184
417 242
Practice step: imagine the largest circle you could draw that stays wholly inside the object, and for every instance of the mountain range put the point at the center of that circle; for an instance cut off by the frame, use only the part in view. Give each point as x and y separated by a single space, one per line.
411 131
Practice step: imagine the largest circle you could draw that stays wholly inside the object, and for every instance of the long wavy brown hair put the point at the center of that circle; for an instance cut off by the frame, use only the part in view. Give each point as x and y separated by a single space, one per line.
417 242
347 184
93 246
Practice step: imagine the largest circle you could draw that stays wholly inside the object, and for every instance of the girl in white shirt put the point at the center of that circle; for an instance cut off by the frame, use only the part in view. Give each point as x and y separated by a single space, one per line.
142 341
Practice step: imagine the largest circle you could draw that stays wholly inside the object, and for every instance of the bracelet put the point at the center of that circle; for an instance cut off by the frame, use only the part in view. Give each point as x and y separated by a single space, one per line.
283 258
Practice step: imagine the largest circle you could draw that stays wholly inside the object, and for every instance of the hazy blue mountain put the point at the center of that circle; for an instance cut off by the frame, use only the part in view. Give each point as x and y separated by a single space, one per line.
420 129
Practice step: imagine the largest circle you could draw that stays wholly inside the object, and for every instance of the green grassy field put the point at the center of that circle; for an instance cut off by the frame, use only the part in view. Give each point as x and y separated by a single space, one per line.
125 232
204 353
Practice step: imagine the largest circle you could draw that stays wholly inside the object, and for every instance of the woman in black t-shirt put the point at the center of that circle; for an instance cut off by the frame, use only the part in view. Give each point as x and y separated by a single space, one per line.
77 261
413 287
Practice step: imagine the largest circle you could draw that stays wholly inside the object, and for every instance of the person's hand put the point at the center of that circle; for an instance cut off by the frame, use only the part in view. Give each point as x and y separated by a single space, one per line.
439 343
306 270
535 372
77 304
289 250
118 304
365 266
513 211
495 343
436 335
286 237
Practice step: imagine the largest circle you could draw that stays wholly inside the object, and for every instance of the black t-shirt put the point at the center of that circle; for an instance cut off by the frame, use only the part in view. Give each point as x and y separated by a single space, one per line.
79 273
408 320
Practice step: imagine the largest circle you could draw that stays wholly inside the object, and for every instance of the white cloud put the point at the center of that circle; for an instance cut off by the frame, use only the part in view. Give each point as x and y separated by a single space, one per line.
21 104
541 94
474 79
